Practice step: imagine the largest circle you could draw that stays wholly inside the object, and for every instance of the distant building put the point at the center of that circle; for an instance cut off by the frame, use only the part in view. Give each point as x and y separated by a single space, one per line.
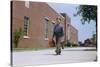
37 20
90 42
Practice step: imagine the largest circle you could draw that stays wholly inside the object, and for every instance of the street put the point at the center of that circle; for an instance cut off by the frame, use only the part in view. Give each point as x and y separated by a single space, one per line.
48 56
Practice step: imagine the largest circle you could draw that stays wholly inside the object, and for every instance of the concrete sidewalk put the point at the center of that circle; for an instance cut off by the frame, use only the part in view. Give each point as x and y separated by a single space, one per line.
48 56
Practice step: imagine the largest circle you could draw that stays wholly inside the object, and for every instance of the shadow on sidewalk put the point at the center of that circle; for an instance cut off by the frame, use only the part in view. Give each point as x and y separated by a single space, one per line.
51 54
79 50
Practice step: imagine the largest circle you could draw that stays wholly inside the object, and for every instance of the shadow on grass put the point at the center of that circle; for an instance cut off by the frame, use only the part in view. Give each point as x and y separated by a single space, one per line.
79 50
30 49
27 49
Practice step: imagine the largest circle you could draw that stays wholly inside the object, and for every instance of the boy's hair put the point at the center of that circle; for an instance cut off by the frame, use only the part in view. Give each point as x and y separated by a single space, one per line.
58 18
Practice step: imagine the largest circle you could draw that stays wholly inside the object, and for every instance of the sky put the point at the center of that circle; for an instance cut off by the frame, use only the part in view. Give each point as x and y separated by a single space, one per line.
84 30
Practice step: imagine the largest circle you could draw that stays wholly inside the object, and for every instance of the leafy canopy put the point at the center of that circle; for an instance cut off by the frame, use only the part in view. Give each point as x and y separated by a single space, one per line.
87 13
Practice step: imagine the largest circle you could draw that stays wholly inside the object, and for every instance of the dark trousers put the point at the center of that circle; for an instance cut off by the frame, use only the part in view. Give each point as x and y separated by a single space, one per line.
58 44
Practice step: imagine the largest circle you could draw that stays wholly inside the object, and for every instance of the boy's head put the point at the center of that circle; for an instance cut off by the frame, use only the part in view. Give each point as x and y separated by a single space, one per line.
58 19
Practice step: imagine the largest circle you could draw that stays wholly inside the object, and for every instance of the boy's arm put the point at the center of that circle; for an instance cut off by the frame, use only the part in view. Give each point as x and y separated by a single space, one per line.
62 31
53 33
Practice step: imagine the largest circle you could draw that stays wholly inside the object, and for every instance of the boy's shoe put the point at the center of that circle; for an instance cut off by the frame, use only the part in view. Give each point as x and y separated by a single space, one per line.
58 52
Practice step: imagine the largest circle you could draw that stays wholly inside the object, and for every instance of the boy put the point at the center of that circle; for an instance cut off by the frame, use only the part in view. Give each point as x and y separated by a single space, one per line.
58 34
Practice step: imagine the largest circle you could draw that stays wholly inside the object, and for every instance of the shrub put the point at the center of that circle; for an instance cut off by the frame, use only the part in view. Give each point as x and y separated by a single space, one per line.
16 37
68 44
74 45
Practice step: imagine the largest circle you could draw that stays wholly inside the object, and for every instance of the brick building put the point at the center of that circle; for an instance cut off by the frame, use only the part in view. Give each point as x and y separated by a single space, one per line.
37 19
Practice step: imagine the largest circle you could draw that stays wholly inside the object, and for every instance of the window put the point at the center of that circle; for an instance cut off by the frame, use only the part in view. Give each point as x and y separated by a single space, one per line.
52 26
27 4
46 20
26 24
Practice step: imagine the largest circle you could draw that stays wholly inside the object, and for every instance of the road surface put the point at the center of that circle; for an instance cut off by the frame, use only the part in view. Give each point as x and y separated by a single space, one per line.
48 56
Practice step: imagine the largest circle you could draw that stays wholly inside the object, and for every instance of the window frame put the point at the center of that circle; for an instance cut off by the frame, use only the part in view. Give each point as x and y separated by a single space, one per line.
46 27
26 26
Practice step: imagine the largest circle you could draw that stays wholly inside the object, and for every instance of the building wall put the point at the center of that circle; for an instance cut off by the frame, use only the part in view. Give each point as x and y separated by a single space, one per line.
68 24
36 13
73 35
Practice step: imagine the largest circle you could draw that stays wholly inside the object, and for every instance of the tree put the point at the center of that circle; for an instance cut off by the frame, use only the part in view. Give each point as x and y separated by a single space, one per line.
94 35
16 37
94 39
87 13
